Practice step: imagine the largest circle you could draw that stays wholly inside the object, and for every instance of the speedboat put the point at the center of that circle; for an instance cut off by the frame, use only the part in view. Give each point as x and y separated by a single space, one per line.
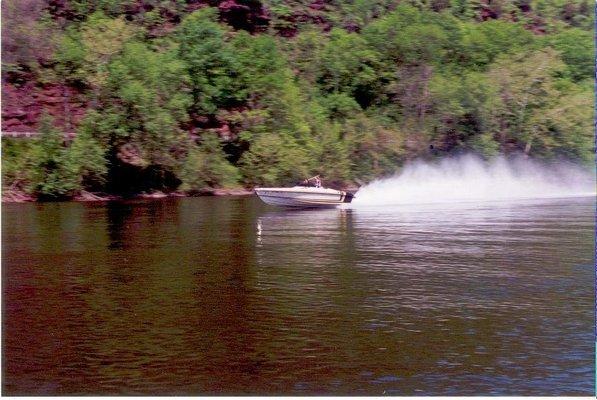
304 196
307 194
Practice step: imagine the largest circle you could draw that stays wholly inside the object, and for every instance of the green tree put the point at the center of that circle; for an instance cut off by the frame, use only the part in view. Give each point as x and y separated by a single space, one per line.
210 62
17 161
86 158
206 166
466 9
483 42
565 129
374 150
460 114
348 65
275 160
103 39
334 162
577 51
70 58
52 174
271 88
525 84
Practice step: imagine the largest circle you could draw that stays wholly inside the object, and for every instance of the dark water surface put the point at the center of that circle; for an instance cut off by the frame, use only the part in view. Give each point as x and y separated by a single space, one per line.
228 296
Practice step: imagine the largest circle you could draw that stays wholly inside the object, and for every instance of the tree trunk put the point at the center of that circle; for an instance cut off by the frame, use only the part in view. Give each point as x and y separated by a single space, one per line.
527 147
66 109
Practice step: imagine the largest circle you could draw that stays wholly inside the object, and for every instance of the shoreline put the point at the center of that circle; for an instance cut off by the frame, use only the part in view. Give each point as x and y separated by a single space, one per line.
14 196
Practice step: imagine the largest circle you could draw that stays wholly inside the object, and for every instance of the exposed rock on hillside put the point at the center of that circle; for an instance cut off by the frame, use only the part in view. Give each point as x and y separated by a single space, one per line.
22 106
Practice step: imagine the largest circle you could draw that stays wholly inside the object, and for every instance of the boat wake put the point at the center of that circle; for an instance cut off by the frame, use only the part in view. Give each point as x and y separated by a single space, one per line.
470 179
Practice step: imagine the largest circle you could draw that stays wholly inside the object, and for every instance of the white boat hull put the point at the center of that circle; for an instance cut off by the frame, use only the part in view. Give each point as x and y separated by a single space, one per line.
304 197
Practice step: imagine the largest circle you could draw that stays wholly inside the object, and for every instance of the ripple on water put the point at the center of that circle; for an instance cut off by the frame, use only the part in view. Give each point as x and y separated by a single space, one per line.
224 296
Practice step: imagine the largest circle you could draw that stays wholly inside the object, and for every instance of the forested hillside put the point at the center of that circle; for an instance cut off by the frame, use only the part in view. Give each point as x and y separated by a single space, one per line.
139 95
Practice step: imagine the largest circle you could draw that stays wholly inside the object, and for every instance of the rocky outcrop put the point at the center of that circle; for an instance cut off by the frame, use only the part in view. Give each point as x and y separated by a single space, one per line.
249 15
23 106
315 12
10 195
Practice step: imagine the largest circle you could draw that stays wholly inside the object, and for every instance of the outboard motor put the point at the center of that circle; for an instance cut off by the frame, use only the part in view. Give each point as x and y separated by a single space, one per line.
348 197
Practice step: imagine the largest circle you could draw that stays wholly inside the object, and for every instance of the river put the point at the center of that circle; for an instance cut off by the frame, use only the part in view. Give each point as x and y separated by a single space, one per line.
229 296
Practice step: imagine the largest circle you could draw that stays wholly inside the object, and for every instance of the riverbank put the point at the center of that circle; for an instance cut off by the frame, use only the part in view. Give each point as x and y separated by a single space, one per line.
16 196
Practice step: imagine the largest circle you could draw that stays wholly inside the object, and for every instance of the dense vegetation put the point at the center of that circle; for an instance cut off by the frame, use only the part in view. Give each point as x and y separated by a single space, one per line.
195 95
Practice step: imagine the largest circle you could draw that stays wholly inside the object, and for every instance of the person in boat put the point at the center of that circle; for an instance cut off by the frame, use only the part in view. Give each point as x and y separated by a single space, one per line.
317 182
312 182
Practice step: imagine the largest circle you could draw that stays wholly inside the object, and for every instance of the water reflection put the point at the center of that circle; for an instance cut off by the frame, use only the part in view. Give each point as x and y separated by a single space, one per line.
227 296
117 215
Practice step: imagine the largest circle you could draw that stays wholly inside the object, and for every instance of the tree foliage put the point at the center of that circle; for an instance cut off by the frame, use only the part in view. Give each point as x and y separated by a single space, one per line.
178 99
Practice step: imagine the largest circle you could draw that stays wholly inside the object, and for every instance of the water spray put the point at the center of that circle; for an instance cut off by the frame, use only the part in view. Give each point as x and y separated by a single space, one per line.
469 178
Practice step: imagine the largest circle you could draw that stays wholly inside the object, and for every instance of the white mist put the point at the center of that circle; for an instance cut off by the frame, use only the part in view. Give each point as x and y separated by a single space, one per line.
469 178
